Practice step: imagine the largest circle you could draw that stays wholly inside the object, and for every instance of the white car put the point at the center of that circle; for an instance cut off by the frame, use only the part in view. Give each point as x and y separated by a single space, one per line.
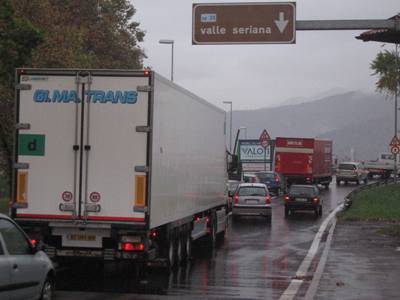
252 199
26 272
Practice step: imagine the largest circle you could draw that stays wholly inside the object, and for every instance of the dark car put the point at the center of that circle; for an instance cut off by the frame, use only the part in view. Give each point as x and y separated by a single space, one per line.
26 272
275 182
252 199
303 197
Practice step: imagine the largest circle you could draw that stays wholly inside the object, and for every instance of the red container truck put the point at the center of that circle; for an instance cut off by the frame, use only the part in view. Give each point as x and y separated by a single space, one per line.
304 160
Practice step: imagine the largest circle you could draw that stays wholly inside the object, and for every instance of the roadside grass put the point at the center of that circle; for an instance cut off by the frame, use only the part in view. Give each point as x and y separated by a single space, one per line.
376 204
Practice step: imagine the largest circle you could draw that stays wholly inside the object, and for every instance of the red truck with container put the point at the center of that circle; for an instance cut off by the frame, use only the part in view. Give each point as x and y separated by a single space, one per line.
304 160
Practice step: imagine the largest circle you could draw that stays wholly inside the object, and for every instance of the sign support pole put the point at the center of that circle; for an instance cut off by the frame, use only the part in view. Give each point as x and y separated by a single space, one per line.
265 159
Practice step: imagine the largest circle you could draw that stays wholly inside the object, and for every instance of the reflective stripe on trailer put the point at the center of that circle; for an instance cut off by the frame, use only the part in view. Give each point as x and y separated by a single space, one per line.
43 216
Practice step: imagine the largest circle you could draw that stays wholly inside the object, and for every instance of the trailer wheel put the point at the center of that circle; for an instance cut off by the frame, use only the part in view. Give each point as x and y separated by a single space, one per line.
212 237
179 251
187 247
171 253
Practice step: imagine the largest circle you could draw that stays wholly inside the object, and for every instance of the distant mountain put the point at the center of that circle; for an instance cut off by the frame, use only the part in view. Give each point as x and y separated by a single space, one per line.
352 120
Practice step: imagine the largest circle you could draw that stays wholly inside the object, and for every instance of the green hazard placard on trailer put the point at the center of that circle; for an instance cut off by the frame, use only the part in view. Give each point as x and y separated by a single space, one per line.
31 144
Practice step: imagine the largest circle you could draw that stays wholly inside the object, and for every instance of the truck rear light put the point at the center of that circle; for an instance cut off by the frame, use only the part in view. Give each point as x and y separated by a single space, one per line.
268 199
286 198
277 179
236 198
315 200
132 246
153 234
22 187
146 72
140 191
308 179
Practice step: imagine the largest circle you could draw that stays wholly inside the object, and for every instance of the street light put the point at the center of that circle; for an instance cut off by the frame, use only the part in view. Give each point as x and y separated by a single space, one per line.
170 42
245 131
230 126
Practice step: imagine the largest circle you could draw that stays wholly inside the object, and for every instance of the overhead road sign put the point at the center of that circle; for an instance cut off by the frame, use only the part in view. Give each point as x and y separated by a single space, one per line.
244 23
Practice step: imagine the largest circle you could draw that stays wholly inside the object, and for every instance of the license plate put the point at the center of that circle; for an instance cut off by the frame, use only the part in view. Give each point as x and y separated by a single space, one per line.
81 237
301 199
251 201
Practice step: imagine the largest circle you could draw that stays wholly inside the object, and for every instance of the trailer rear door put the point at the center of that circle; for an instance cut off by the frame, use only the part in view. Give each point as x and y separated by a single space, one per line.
83 160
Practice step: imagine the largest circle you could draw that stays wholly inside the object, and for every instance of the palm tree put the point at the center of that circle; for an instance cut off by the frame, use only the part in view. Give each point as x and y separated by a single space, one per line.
386 66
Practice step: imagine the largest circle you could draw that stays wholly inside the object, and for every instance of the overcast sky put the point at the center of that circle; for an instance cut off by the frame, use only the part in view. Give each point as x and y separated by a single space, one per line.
253 76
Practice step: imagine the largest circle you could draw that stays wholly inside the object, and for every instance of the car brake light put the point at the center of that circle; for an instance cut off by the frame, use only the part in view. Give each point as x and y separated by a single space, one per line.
315 200
33 242
236 198
132 246
277 178
286 198
268 199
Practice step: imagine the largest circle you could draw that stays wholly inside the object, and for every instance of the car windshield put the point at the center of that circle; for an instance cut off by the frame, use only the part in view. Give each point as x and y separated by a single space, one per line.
266 176
302 190
347 167
252 191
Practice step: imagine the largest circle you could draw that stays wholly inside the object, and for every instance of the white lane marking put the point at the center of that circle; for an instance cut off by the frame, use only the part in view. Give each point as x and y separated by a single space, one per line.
294 285
312 290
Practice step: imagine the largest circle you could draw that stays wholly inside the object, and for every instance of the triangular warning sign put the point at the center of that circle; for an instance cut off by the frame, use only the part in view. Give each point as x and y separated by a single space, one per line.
395 141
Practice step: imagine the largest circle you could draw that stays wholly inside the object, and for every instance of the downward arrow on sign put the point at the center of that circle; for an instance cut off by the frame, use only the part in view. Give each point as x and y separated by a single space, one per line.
281 23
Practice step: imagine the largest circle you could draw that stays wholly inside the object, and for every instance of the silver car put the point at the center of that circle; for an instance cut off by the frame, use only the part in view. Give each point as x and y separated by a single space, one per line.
252 199
25 271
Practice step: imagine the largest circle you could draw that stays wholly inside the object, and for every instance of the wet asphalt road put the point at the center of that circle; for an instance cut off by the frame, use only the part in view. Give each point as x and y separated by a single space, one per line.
257 260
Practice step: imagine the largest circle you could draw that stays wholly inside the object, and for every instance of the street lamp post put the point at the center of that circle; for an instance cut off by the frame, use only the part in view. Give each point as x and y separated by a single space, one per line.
245 131
170 42
230 125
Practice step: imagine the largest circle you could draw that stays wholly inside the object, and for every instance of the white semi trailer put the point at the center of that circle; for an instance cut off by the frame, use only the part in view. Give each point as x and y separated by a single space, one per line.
117 165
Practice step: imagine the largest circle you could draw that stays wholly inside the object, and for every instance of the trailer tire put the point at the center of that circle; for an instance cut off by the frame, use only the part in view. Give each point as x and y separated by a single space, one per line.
179 251
187 247
212 237
171 253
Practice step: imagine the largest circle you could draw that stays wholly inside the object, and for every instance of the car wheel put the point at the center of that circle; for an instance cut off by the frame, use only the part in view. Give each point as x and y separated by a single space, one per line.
337 182
287 212
366 180
320 211
346 182
358 182
316 212
48 289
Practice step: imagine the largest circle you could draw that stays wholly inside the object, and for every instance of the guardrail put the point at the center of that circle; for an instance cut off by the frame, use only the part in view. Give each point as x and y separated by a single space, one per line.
348 200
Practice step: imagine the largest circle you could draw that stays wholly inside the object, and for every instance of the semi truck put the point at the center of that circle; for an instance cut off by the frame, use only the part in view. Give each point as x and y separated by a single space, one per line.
304 160
117 165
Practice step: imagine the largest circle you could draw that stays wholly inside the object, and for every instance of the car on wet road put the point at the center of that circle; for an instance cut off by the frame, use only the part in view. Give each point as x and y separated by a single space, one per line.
351 172
252 199
303 197
26 272
275 181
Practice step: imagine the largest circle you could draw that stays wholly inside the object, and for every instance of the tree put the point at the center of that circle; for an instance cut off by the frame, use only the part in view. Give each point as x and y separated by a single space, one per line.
84 34
386 66
18 37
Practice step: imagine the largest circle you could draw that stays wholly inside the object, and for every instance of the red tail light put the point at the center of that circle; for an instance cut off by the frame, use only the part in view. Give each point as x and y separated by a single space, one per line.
315 199
277 179
286 198
33 242
132 246
236 198
268 199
